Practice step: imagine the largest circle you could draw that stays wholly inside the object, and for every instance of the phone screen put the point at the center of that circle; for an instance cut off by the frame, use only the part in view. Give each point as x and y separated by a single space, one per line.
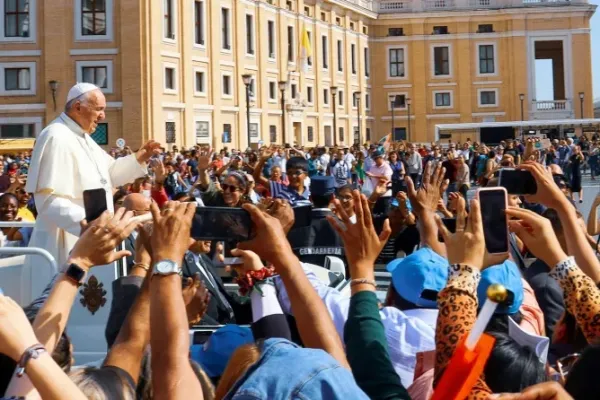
495 229
94 202
221 223
517 181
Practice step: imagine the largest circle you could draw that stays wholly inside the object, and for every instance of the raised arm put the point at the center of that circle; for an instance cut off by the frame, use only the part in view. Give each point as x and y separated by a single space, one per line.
173 377
314 323
592 223
203 178
258 170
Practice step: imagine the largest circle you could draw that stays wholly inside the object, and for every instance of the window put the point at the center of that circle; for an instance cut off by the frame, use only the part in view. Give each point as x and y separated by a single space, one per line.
225 38
249 34
169 26
170 78
17 131
351 26
367 101
486 59
368 134
340 96
398 102
365 30
271 38
93 16
310 134
273 133
488 98
18 79
309 58
485 28
199 22
100 73
100 135
226 138
440 30
396 63
443 99
202 131
273 90
93 19
253 130
96 75
16 19
325 55
170 133
293 90
252 88
323 17
227 85
356 134
367 67
441 61
309 94
395 31
290 43
354 101
353 57
341 133
326 97
338 21
340 64
200 84
289 5
307 11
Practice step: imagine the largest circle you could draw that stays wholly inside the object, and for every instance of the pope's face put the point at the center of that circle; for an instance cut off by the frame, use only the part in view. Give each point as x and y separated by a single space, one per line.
91 112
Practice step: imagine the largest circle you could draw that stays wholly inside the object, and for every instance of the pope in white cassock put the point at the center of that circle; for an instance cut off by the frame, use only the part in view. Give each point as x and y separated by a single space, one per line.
65 162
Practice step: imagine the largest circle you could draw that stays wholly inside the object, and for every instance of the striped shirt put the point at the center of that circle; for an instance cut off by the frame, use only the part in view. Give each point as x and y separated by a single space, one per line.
281 191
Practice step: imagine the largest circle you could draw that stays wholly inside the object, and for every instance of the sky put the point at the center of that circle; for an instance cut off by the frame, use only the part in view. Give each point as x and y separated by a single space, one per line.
544 68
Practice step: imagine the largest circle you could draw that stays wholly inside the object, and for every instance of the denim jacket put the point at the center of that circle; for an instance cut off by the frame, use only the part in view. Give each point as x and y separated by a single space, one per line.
286 371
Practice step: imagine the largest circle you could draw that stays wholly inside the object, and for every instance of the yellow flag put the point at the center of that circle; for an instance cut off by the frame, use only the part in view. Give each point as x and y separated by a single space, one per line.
305 48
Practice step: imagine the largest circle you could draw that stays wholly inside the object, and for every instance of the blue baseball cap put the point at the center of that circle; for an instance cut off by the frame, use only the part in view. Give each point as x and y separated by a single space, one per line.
423 270
508 275
215 353
322 185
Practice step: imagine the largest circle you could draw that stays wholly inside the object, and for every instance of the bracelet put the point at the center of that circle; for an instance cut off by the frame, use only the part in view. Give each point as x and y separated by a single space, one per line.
144 266
248 281
355 282
32 352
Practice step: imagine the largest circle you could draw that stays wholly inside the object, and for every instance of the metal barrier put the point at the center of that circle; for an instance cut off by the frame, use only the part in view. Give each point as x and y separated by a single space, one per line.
27 251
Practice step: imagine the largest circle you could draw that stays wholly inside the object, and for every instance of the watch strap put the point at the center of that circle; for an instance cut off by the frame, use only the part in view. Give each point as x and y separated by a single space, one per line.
75 273
32 352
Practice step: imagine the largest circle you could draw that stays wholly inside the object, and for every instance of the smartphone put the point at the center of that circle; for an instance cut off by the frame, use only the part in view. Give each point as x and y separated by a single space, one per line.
221 223
94 203
302 216
495 229
517 181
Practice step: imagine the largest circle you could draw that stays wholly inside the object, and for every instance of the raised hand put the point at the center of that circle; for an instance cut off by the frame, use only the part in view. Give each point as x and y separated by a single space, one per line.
16 333
196 298
147 151
537 234
541 391
99 239
426 198
171 231
160 172
203 162
548 192
467 244
361 243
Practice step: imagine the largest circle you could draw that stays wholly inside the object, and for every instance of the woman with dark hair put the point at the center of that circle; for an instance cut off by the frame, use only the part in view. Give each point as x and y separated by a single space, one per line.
575 162
398 173
233 187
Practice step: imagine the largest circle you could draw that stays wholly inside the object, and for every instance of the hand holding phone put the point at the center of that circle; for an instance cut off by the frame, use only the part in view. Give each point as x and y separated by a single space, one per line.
222 223
517 181
94 203
493 202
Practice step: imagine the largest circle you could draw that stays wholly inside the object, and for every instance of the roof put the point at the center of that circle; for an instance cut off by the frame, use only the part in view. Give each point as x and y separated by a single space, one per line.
12 145
516 124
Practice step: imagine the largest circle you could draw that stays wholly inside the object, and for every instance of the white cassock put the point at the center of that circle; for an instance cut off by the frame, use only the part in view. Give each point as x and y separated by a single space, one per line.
65 162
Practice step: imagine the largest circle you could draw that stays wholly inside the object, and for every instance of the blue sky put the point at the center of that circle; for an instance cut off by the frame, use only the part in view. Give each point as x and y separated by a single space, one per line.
544 69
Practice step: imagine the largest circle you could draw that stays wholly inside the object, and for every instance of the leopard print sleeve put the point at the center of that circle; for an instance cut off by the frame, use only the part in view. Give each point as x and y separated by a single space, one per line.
582 297
457 305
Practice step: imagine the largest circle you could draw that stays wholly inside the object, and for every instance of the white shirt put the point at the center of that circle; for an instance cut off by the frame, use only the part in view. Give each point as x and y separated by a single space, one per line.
349 158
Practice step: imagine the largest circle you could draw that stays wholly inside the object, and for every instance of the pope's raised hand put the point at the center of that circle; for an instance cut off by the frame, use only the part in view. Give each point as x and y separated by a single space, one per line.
147 151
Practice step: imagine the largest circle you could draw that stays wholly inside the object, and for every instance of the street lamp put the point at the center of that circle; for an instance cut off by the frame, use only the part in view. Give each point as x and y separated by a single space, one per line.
408 107
357 96
393 103
247 79
522 98
53 88
282 86
581 96
334 90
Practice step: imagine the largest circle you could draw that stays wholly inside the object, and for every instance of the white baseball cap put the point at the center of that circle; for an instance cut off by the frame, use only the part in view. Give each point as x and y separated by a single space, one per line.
80 89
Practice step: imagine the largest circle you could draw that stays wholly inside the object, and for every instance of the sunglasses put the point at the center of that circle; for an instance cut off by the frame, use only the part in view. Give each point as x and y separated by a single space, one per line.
297 172
229 188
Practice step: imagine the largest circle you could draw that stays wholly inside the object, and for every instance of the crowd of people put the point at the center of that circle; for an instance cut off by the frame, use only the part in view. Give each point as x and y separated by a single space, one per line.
287 334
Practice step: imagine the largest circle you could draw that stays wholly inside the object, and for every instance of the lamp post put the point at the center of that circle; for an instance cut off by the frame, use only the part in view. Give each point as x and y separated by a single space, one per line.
408 117
53 87
282 86
333 94
247 79
393 104
357 96
522 98
581 96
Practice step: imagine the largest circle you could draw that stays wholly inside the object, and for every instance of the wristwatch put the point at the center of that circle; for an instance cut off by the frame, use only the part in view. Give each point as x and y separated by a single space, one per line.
166 267
75 273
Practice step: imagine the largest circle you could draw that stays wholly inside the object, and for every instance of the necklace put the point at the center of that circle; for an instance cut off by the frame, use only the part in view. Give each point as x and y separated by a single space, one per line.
87 150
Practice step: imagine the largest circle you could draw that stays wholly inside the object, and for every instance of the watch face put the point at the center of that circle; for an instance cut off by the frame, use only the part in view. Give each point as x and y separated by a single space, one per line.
166 267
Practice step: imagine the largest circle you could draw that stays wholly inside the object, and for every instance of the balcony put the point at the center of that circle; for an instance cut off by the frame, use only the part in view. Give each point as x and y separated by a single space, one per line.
551 109
403 6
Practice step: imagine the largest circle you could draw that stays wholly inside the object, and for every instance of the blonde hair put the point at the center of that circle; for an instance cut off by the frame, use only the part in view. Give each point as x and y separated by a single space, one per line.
241 360
103 383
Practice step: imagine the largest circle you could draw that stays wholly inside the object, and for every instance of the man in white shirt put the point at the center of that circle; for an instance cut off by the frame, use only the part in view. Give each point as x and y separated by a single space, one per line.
465 152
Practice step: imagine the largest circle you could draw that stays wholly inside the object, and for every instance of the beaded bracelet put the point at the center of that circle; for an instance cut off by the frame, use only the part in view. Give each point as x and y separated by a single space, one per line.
247 281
